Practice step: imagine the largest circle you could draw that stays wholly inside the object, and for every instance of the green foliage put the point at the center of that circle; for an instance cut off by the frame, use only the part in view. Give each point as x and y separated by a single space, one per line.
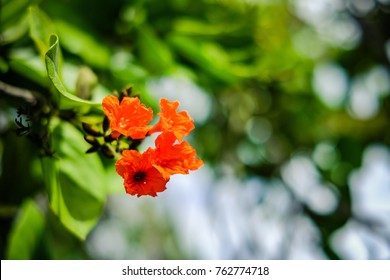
75 181
207 56
153 53
25 62
83 44
26 232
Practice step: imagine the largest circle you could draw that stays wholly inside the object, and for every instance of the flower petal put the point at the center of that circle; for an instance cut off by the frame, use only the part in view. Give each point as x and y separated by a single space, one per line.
140 176
129 118
110 106
173 158
179 123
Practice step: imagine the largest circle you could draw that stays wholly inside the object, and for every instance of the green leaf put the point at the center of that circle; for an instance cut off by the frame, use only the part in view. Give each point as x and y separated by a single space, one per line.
26 232
3 65
75 180
155 55
28 64
207 55
83 44
12 10
65 100
14 30
41 28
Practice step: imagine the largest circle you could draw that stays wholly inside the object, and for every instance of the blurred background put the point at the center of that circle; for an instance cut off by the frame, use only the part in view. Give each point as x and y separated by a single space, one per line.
291 102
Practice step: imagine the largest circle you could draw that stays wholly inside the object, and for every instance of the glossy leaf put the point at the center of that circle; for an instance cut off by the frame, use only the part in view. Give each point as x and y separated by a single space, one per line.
74 180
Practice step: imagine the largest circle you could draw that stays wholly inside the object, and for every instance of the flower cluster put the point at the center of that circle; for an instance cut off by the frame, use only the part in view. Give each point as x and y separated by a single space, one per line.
147 173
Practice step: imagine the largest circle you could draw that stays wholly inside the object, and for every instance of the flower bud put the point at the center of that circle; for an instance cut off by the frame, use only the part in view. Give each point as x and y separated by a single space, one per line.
91 129
92 150
107 152
92 140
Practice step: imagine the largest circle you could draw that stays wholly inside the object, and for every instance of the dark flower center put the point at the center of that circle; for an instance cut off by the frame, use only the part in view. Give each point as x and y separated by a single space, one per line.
139 176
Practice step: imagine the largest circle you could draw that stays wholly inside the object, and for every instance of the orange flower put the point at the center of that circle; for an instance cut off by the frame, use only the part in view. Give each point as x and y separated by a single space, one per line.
170 158
129 118
140 176
179 123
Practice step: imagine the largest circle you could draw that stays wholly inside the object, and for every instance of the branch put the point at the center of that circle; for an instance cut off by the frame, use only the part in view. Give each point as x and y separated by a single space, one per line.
17 92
